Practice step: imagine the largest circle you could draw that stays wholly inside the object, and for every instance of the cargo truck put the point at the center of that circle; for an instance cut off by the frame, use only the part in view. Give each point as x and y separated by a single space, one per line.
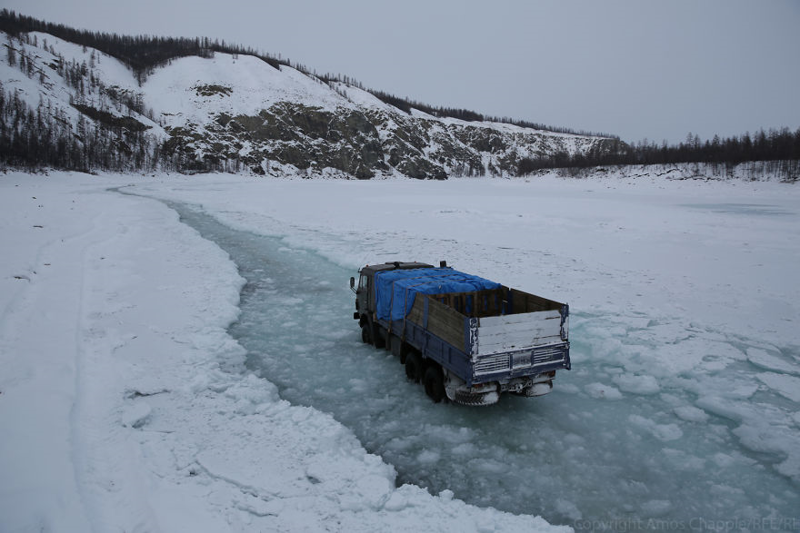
466 338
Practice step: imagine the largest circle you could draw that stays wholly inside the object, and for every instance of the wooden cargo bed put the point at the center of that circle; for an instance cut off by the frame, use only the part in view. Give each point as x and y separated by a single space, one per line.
448 317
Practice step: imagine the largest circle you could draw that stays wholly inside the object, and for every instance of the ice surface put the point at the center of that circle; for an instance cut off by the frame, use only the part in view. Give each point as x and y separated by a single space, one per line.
763 359
637 384
788 386
599 391
691 414
157 419
468 451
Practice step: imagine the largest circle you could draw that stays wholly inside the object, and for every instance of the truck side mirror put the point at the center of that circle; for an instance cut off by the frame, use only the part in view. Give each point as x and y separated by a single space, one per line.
353 284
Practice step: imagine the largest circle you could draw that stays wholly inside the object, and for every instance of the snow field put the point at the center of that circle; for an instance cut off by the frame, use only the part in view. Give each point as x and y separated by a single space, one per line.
256 86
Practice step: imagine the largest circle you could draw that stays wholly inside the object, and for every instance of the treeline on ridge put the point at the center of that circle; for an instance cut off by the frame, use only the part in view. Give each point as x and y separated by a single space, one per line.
406 105
43 137
773 145
141 53
466 115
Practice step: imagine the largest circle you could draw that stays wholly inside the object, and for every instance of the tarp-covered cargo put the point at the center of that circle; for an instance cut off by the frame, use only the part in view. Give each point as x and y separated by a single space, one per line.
395 290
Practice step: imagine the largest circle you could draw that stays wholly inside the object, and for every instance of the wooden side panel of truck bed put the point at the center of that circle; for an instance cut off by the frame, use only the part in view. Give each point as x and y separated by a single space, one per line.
443 321
507 319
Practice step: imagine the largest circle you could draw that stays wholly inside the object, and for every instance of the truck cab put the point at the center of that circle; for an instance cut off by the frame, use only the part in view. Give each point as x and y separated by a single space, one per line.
365 298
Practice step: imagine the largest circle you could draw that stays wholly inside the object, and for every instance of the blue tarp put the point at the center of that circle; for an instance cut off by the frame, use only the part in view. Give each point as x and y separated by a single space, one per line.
395 289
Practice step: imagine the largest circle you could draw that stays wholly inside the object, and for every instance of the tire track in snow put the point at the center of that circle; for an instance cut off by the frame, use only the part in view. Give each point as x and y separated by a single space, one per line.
38 448
108 468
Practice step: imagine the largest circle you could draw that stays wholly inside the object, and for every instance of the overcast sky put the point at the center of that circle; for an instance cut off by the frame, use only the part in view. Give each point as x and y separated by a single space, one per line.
635 68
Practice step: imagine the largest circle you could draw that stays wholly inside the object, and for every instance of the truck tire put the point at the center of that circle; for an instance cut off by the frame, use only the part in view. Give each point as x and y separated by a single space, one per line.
487 398
378 336
366 337
396 346
414 367
434 383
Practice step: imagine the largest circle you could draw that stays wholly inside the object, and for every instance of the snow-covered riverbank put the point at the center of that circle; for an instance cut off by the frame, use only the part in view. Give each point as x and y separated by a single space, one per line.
124 404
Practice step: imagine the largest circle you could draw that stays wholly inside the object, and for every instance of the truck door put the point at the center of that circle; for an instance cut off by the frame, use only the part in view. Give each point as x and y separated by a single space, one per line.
362 295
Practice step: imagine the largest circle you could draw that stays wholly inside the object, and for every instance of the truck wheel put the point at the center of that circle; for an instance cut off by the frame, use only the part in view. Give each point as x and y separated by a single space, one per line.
396 346
413 367
377 337
366 338
434 383
468 398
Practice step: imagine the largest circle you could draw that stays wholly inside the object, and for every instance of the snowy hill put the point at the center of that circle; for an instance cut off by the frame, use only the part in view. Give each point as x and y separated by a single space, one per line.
240 113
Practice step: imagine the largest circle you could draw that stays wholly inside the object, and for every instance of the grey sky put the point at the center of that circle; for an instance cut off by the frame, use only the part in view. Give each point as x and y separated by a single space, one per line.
635 68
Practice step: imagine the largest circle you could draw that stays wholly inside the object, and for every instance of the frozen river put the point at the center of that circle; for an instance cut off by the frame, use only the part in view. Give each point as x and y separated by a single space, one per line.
633 433
214 380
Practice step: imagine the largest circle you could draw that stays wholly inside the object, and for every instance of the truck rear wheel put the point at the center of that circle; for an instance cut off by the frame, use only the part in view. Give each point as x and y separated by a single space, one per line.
413 367
469 398
396 346
434 383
